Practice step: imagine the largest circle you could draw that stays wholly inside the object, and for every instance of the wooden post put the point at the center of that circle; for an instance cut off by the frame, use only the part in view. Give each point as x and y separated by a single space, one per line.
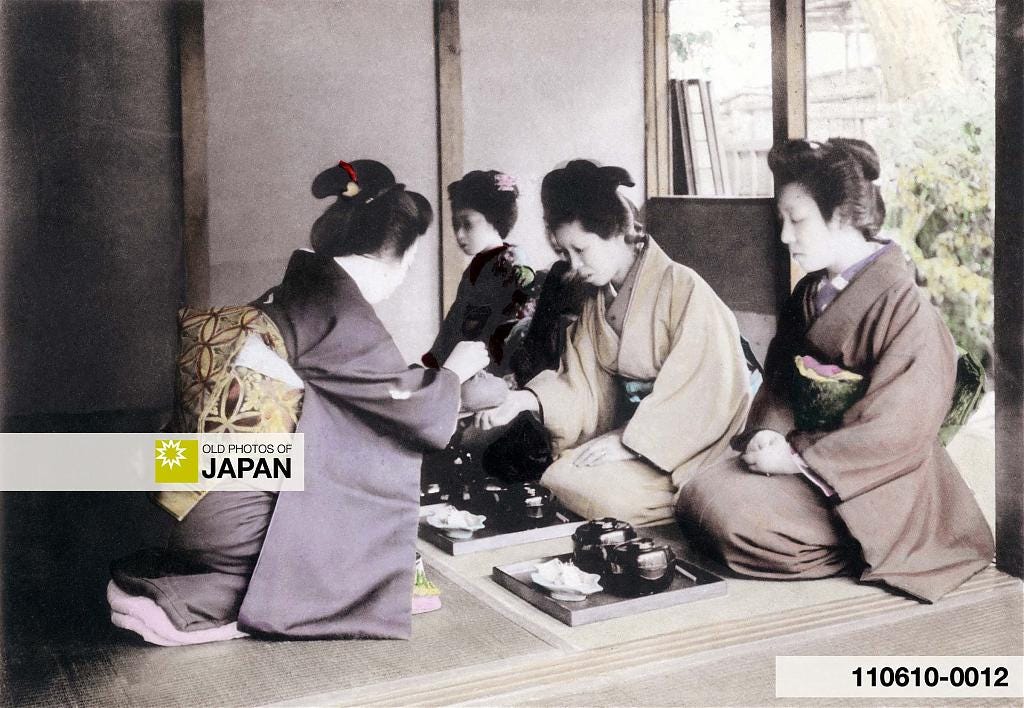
657 135
789 97
195 194
1009 296
449 141
789 70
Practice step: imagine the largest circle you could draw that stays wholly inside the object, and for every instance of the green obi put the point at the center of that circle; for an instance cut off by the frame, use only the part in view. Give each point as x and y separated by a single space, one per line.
821 394
970 387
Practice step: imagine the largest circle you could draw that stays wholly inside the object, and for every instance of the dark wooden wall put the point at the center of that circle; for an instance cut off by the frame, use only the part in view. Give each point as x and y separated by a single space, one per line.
732 242
90 278
90 208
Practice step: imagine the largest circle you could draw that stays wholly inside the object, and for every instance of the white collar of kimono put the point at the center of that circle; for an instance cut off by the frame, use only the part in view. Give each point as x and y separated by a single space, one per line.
376 277
839 282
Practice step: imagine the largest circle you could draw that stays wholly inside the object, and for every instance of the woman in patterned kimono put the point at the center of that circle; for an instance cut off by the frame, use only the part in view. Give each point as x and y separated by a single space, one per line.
872 493
335 560
497 289
652 383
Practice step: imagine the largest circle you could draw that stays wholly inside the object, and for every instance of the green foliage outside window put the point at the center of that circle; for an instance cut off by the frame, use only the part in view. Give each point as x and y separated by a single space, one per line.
944 219
941 145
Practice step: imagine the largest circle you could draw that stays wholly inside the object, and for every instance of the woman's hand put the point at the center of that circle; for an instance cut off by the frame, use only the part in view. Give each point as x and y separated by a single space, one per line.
769 453
466 359
516 403
602 449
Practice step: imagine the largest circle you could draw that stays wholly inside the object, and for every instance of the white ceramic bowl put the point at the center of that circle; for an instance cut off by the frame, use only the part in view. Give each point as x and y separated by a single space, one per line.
564 581
456 524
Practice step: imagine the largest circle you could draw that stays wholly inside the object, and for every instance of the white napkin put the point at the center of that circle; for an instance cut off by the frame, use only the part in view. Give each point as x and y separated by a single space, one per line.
257 356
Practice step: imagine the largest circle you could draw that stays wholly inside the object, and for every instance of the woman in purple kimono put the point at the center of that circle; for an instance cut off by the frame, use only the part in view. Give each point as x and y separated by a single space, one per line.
840 470
335 560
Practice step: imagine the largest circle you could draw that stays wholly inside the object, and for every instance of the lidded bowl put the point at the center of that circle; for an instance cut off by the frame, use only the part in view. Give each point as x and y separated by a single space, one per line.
592 541
641 566
527 499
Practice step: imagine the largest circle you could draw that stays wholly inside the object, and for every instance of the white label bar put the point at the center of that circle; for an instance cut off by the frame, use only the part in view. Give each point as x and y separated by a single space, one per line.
899 676
124 462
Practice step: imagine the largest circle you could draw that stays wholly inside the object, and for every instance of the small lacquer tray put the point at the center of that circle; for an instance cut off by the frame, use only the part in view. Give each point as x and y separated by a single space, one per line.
690 583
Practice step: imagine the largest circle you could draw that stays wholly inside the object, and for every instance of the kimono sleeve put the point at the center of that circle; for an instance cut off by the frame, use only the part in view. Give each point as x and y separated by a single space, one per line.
769 411
418 405
701 393
578 401
893 428
450 332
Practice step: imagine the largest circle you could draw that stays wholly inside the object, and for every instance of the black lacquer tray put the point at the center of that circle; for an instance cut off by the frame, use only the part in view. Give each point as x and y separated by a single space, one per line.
690 583
503 528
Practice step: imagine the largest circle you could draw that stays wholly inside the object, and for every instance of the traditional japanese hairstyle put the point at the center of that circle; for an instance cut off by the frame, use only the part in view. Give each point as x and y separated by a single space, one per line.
372 214
491 193
839 175
585 192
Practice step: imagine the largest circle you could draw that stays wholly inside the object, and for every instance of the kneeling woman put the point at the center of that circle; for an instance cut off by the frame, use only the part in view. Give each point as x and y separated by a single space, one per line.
871 492
335 560
652 383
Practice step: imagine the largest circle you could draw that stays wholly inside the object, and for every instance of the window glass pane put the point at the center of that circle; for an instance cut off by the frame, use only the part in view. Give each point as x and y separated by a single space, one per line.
724 48
915 78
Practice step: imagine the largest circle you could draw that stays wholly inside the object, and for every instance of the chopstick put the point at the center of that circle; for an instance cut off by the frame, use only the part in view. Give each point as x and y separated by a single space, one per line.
679 569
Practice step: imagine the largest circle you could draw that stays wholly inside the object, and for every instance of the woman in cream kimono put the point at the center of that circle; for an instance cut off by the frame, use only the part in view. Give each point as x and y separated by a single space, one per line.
652 383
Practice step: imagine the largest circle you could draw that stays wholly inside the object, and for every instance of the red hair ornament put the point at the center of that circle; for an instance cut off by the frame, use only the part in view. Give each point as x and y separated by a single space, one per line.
352 188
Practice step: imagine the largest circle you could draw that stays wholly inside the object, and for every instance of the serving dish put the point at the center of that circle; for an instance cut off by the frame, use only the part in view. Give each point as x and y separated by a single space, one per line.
504 528
689 583
456 523
564 581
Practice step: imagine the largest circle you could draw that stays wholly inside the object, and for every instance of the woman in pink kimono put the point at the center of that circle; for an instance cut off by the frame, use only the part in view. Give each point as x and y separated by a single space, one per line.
335 560
827 482
652 384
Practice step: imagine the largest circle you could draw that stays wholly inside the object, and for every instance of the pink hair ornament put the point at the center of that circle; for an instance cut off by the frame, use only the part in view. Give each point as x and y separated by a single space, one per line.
504 182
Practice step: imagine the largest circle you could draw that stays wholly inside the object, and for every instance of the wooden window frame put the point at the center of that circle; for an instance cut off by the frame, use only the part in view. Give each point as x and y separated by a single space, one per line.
450 129
657 113
789 120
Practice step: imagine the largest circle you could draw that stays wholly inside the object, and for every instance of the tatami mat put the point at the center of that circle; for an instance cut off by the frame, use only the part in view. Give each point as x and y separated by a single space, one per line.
986 627
972 449
731 665
746 600
109 668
